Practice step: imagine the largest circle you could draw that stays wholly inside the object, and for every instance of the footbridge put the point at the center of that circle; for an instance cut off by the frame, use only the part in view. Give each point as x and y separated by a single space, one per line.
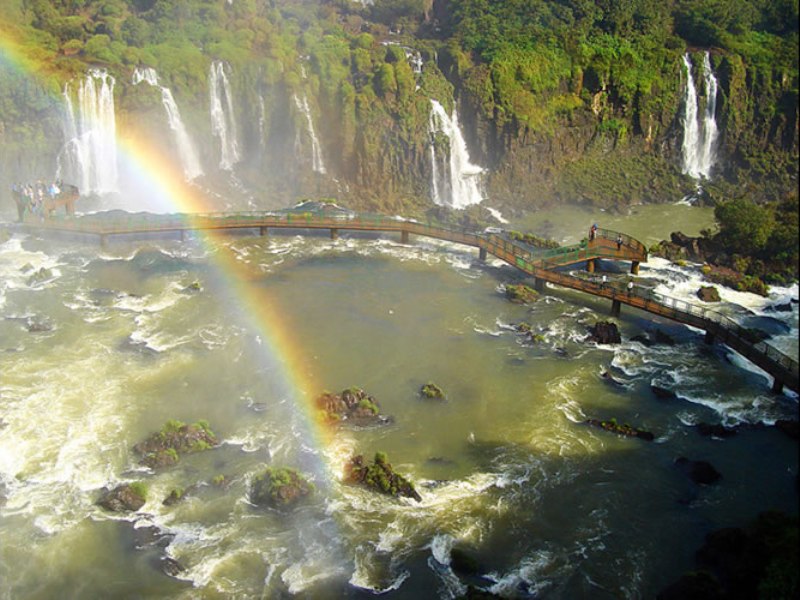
542 264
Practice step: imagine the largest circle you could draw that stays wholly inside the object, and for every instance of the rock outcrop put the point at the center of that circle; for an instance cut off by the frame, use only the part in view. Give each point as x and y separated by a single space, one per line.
605 332
379 476
128 497
708 293
163 448
352 405
279 487
431 390
521 294
621 429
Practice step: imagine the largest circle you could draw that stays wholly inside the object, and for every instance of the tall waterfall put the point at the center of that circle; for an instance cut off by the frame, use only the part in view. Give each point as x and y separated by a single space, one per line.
317 164
223 124
699 131
186 151
455 181
89 156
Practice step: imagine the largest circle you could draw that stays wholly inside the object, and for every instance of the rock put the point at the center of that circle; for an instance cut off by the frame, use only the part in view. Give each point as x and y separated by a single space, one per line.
151 537
623 429
790 428
40 276
175 496
699 471
37 326
717 430
663 393
128 497
163 448
279 488
522 327
170 567
192 288
663 338
380 476
521 294
605 332
353 404
463 563
609 378
642 339
708 293
431 390
787 307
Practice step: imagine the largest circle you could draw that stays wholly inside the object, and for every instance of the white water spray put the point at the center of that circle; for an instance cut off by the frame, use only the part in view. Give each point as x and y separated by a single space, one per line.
89 156
699 132
317 164
223 124
458 183
186 151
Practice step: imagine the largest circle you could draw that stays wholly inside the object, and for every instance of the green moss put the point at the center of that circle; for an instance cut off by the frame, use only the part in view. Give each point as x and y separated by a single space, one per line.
140 489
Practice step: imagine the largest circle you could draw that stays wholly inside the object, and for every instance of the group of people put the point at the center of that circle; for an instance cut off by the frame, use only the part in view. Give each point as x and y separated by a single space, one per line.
593 235
32 198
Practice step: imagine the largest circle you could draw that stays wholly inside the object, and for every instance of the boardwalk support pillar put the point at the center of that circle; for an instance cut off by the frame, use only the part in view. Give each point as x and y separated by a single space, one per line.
709 339
404 237
334 233
538 284
263 231
777 385
616 307
635 267
482 253
590 266
104 241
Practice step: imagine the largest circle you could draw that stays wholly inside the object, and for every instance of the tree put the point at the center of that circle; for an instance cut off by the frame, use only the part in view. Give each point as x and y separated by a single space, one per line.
744 227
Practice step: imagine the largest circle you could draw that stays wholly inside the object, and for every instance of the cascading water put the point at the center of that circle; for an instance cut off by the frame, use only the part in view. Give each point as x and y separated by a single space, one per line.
186 151
89 156
223 124
699 132
455 181
317 164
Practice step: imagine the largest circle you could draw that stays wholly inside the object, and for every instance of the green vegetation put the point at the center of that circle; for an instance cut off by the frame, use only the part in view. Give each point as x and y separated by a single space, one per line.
532 240
380 476
139 489
431 390
521 294
163 448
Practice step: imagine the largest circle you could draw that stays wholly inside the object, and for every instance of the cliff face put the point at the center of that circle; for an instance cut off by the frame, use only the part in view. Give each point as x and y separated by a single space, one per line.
346 112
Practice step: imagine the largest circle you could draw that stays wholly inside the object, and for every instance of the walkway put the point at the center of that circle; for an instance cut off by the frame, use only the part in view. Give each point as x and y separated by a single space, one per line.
541 264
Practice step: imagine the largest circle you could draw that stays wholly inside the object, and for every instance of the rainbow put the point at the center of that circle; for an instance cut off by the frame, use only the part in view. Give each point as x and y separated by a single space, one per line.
263 316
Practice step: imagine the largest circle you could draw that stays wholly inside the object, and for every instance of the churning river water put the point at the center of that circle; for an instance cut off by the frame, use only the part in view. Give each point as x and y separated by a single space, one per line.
113 343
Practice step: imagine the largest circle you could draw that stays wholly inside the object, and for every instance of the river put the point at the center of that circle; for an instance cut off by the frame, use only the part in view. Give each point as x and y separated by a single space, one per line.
111 344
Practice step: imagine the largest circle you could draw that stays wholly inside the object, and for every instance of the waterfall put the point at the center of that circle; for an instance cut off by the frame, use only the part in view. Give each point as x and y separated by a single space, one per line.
317 163
222 121
186 151
89 155
699 132
457 184
262 122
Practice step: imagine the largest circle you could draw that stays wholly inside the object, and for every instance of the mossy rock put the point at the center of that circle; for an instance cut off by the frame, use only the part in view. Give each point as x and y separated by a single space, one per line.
353 404
40 276
521 294
279 487
708 293
431 390
128 497
379 476
163 448
621 429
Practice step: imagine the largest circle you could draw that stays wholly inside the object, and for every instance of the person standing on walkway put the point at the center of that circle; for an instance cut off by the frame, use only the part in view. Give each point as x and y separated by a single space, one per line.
630 287
619 242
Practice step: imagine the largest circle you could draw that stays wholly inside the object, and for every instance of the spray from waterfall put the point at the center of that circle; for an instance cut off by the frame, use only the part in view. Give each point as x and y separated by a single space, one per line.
699 130
317 164
88 158
186 151
223 124
455 180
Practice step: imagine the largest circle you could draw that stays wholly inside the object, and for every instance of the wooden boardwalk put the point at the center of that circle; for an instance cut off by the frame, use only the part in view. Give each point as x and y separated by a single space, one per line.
541 264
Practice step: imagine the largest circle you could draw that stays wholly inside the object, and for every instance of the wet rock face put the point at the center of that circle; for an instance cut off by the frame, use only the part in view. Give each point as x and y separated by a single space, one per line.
621 429
163 448
605 332
123 498
521 294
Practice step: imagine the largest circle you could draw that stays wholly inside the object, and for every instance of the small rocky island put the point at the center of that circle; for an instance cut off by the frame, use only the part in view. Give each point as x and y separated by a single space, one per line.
431 390
521 294
353 405
128 497
379 476
279 487
163 448
621 429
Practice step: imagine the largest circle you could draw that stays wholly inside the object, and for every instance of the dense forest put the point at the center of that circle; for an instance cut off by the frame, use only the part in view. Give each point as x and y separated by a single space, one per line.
579 100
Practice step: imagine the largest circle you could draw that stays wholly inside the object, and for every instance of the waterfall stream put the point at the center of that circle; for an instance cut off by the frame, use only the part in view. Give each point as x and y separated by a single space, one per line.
317 164
88 158
223 123
455 179
186 151
699 130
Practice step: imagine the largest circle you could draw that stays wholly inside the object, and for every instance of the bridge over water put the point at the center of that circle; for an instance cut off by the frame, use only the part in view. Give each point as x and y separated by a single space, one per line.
542 264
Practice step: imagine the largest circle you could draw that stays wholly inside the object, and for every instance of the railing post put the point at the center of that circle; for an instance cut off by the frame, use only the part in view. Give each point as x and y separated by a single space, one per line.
777 385
482 253
538 284
263 231
334 233
404 236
